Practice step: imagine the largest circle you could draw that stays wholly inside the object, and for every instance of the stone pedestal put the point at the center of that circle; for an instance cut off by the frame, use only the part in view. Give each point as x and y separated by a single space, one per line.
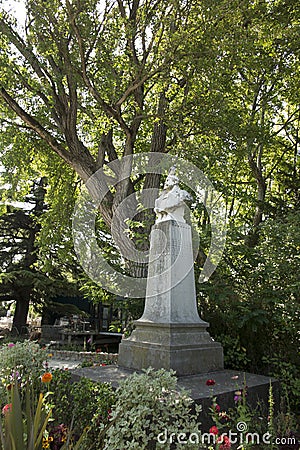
170 334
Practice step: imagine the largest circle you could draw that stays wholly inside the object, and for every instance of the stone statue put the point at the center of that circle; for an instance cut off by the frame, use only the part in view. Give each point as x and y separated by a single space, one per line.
170 204
170 334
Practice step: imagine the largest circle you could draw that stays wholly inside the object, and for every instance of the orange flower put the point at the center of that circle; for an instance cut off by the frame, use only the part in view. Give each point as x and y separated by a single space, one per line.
47 377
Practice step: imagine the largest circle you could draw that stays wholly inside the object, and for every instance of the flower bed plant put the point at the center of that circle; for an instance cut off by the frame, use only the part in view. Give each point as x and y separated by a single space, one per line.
42 408
20 362
23 428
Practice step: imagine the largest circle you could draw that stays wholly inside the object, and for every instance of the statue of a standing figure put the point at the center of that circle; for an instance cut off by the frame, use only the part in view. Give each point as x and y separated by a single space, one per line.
170 204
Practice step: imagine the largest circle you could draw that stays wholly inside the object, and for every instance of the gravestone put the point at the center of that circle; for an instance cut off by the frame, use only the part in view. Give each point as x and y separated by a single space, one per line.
170 334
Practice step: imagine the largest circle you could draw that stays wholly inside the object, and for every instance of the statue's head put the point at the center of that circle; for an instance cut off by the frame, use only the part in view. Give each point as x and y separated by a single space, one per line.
171 180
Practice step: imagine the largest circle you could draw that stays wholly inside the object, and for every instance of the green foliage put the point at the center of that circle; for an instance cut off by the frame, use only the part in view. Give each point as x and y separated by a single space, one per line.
76 403
235 355
252 302
61 398
146 404
258 426
22 362
90 398
287 372
23 430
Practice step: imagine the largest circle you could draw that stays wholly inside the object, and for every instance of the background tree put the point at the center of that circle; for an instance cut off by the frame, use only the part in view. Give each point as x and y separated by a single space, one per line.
18 254
23 278
95 73
101 80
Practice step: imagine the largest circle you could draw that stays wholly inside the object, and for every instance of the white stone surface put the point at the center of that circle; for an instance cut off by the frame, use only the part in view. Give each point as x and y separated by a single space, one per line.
170 333
170 204
170 294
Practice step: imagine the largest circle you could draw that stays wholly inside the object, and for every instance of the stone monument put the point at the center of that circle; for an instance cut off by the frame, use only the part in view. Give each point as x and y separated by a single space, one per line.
170 334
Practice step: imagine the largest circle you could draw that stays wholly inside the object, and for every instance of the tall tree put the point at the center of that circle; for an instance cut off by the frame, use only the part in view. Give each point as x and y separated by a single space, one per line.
18 254
23 277
89 73
100 80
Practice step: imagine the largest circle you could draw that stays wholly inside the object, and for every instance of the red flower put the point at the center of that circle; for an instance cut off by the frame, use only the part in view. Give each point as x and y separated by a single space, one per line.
7 409
210 382
214 430
102 364
224 441
217 408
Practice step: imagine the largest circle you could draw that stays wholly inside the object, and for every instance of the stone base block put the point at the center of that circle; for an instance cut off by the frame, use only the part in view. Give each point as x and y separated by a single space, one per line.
186 348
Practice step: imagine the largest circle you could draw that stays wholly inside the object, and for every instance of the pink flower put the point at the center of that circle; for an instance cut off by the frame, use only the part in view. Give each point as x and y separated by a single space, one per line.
7 409
214 430
225 442
10 345
210 382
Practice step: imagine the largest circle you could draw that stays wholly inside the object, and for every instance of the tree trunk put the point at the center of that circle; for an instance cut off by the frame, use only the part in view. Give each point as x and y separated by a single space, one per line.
255 163
261 195
23 294
21 312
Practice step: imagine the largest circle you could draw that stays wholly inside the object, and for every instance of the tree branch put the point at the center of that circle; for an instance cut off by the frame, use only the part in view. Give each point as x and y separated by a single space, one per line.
25 51
109 110
34 125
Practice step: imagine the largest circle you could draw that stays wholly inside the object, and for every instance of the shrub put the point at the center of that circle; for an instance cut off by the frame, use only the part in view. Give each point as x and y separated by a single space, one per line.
75 404
22 362
146 405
